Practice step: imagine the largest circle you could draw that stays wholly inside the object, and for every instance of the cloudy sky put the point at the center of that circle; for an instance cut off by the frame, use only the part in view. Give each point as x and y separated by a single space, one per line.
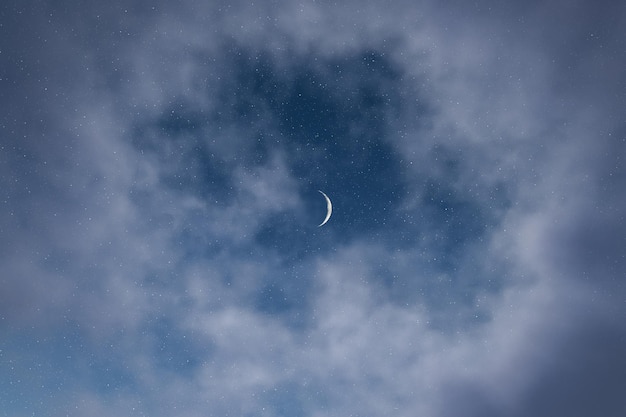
159 172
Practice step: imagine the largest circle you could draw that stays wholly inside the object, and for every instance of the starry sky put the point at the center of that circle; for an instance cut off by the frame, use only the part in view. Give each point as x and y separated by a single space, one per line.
160 253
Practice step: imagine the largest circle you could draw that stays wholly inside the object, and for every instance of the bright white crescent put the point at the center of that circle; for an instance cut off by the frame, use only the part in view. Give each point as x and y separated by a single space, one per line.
329 209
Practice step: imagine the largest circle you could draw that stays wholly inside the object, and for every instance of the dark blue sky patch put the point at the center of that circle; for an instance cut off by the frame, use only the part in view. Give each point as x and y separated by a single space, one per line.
333 117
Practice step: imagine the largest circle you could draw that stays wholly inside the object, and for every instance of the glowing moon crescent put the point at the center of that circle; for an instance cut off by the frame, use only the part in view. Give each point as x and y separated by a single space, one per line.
329 209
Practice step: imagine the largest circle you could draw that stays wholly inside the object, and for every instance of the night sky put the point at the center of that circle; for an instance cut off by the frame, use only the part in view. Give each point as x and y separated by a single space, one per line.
160 253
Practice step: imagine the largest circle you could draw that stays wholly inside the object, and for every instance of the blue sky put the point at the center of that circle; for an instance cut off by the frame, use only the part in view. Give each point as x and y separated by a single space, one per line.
159 175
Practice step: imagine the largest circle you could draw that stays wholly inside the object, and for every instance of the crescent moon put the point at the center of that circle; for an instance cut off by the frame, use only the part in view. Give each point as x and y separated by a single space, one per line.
329 209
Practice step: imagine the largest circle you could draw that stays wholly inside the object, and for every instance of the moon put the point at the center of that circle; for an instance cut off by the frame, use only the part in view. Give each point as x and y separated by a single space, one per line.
329 209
